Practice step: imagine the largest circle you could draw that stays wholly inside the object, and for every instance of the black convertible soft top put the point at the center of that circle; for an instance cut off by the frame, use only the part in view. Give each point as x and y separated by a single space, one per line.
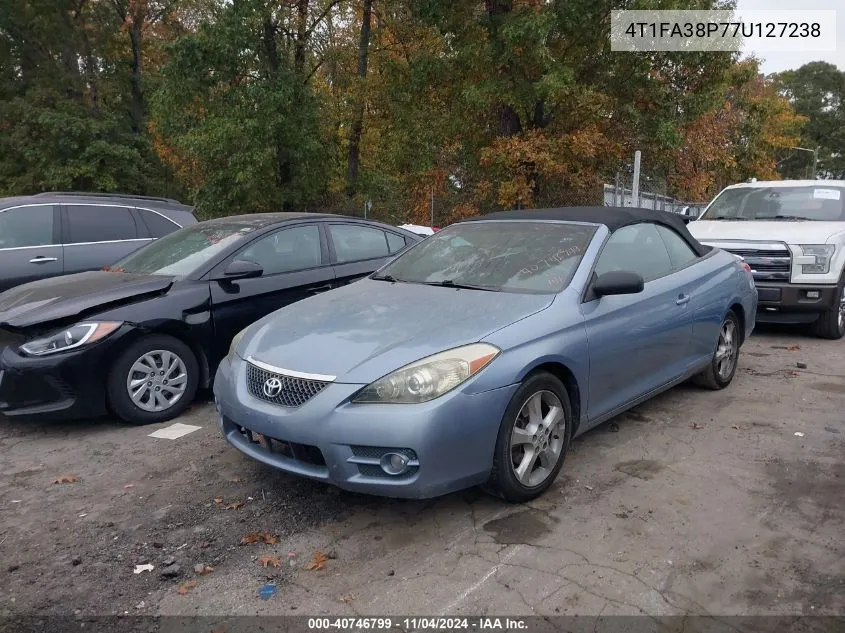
612 217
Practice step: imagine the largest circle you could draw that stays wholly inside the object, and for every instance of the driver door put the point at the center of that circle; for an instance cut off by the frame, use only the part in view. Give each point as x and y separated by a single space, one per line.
637 342
296 265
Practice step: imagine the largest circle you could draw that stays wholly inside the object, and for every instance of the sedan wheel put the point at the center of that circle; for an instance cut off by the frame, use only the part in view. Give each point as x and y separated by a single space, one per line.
536 440
533 439
153 380
157 380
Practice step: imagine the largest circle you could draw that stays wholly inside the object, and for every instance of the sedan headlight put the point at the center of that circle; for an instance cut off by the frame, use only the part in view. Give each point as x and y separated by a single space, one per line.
70 338
236 341
430 377
823 254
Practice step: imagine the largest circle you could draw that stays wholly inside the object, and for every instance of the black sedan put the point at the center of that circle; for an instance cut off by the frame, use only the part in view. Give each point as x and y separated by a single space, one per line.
139 338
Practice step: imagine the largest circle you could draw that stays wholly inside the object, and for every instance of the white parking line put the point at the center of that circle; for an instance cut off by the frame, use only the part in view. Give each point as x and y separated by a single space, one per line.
174 431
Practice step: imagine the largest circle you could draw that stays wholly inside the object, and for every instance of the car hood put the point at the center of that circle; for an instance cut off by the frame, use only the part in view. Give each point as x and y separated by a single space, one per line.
72 295
367 329
791 232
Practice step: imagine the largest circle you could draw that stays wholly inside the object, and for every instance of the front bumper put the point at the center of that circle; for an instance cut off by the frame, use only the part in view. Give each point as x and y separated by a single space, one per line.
449 441
795 303
60 386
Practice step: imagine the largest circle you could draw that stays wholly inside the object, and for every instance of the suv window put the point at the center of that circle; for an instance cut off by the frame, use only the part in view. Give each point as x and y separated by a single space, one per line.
354 243
158 225
637 248
98 223
680 252
26 226
287 250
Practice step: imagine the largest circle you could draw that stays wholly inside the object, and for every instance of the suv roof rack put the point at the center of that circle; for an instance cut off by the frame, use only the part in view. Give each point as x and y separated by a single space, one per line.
106 195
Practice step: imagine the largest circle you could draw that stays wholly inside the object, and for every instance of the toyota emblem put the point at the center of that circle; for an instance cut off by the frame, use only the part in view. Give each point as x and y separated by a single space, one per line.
272 387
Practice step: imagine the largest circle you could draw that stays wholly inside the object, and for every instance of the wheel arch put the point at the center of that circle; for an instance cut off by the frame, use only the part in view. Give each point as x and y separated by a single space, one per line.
563 373
180 332
739 311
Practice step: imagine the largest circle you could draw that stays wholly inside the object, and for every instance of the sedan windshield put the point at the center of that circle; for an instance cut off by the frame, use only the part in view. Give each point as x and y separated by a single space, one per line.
511 256
185 250
820 203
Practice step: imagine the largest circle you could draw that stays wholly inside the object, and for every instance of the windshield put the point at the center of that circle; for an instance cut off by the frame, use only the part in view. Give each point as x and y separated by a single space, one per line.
820 203
518 256
183 251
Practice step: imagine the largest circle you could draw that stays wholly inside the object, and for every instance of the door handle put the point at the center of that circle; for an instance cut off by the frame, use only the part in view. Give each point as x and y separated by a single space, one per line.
319 289
43 260
682 300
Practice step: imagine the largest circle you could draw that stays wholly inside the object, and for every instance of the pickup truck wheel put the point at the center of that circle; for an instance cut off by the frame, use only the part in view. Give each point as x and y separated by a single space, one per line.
831 324
153 380
722 367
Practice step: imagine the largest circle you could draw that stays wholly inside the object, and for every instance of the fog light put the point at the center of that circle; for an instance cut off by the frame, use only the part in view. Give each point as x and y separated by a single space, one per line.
394 463
813 294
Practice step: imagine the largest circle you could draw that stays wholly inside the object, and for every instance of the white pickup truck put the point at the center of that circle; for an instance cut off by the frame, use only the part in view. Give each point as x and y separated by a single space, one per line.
792 235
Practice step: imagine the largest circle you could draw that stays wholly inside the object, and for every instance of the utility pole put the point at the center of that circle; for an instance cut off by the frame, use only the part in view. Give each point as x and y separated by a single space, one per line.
432 207
815 153
635 186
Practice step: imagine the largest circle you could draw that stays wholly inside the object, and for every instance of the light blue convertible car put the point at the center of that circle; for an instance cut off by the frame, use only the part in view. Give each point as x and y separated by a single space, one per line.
477 355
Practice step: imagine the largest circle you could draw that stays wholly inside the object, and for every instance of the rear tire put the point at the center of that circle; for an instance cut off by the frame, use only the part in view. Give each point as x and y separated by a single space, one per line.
831 324
154 380
723 364
533 440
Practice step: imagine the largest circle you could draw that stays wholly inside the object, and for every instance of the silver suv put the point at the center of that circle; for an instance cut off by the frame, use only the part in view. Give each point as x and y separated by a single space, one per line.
59 233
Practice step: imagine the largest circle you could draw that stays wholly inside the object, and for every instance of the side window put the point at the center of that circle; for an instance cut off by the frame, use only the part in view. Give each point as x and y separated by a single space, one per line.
637 248
287 250
353 243
94 223
395 242
158 225
26 226
680 253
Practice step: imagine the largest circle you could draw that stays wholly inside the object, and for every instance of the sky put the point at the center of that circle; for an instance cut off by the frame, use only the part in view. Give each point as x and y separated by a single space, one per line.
774 62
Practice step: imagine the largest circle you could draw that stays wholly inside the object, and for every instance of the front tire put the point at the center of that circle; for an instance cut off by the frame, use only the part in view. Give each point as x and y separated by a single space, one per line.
533 440
154 380
831 324
723 364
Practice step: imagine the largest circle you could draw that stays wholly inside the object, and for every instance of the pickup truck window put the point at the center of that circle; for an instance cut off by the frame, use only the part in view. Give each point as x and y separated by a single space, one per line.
818 202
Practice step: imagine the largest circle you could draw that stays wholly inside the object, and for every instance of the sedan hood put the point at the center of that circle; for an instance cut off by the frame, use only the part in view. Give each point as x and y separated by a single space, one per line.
367 329
72 295
791 232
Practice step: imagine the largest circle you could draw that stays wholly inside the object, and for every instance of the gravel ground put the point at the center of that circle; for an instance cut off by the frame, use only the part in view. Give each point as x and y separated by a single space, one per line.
696 502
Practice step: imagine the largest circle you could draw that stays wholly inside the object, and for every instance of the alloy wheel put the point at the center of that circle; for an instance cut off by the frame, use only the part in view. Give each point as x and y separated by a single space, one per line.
157 380
537 438
727 349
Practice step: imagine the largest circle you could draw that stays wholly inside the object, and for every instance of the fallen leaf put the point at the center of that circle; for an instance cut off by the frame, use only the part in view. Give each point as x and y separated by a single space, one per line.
66 479
236 480
220 630
128 486
347 598
696 426
234 506
202 570
255 537
318 561
218 499
186 587
795 373
735 426
793 347
268 560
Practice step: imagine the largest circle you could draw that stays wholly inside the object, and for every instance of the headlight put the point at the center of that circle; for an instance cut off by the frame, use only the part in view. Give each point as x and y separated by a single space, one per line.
430 377
71 338
236 341
823 254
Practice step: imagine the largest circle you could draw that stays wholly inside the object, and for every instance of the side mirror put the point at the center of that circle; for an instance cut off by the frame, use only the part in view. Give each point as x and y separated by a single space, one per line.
618 282
242 269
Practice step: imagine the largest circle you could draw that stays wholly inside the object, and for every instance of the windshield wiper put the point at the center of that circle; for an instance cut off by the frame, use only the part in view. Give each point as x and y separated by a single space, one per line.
449 283
726 217
785 217
389 278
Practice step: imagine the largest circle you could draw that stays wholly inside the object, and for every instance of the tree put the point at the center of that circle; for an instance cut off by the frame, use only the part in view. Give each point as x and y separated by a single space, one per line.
817 91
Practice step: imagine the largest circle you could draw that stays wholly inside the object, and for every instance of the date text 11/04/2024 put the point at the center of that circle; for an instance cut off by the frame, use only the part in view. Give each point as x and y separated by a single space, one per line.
418 624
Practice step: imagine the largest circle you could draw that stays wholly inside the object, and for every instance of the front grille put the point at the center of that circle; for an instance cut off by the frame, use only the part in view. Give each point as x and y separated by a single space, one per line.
766 264
305 453
285 391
